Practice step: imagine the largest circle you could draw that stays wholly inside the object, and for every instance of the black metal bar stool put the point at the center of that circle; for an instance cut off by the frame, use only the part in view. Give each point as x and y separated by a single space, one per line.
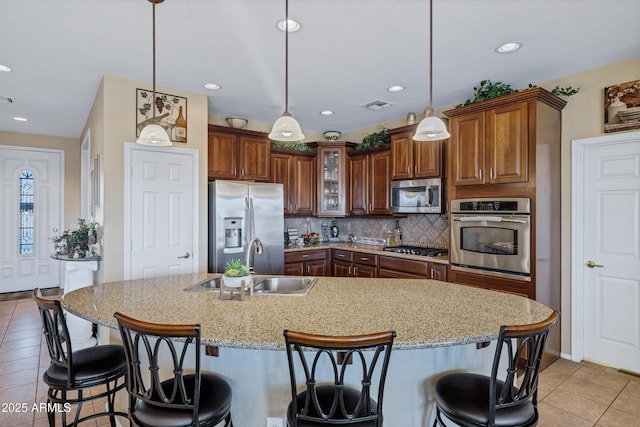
196 399
474 400
337 402
77 371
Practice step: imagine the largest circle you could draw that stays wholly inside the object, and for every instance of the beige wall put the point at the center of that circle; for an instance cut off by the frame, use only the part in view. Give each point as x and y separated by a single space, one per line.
71 148
309 136
112 123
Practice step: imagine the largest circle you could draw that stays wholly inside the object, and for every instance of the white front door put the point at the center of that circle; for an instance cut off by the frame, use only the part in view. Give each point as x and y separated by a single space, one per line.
161 212
31 194
607 264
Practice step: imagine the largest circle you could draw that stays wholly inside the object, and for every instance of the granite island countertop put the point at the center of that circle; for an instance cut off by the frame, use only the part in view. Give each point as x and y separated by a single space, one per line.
424 313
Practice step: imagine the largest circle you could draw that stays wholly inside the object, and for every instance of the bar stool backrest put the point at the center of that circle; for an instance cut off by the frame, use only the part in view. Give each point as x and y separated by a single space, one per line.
56 334
146 344
314 350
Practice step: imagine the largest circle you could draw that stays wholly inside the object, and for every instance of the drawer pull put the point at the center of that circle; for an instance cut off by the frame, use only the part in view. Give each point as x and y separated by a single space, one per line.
364 258
305 256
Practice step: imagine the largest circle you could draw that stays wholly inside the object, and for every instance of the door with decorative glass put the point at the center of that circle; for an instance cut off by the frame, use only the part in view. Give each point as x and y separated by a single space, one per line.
31 194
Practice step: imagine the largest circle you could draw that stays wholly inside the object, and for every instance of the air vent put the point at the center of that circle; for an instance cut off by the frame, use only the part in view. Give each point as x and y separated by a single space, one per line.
377 105
5 100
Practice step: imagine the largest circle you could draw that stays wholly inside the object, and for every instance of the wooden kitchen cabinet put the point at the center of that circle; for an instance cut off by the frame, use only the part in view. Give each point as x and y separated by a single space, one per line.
296 171
238 154
332 178
511 147
312 262
395 267
369 182
354 264
414 159
490 147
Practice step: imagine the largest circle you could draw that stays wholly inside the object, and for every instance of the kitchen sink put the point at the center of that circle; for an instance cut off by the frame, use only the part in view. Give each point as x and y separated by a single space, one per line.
284 285
264 285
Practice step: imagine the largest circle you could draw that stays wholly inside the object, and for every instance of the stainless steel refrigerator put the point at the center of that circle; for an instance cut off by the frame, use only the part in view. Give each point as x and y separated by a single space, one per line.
239 211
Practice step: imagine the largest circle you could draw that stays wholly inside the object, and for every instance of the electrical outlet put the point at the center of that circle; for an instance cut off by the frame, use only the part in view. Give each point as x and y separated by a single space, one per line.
274 422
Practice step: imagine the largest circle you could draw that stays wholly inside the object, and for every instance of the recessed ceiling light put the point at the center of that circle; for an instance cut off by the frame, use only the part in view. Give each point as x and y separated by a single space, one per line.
212 86
292 24
20 119
509 47
395 88
5 68
326 112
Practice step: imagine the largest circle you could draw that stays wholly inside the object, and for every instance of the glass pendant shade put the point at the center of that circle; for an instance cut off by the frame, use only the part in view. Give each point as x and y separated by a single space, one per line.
154 135
286 129
431 128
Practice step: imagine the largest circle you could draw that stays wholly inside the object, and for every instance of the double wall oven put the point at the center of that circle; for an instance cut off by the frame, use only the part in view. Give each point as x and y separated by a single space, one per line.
492 237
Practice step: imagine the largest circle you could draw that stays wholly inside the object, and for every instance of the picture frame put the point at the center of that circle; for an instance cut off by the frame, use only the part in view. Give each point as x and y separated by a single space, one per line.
167 109
622 98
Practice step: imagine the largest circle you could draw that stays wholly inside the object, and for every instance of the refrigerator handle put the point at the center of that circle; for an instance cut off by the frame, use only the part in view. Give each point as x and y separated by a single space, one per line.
247 219
252 217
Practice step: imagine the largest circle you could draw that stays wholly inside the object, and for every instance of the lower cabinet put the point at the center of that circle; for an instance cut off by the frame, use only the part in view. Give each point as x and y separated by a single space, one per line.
313 262
393 267
354 264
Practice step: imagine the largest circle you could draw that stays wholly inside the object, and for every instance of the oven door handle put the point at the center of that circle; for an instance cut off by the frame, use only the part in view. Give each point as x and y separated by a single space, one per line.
489 219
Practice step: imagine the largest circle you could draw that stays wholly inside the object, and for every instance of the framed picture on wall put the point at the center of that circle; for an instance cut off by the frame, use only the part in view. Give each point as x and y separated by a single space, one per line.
171 113
622 107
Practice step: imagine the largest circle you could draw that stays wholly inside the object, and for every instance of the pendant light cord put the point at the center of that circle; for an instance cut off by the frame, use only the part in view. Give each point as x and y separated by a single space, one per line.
431 54
286 57
153 99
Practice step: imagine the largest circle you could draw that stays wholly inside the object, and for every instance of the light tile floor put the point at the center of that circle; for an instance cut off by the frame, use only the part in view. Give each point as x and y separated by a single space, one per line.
570 394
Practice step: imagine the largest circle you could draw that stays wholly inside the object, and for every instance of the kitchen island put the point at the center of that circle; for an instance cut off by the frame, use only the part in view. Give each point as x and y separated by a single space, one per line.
438 325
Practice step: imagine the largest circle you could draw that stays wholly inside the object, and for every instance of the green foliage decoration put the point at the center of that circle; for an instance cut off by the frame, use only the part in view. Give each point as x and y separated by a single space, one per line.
376 139
297 146
490 90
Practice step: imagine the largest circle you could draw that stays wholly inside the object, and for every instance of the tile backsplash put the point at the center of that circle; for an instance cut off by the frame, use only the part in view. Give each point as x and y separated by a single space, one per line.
418 230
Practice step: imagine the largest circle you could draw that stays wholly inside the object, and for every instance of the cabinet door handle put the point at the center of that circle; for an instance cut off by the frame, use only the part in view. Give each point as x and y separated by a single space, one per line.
355 271
349 273
433 273
308 269
491 173
242 171
415 169
408 170
480 174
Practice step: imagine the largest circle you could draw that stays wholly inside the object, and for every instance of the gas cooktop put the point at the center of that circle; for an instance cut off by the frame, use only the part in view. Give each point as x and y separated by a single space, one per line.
416 250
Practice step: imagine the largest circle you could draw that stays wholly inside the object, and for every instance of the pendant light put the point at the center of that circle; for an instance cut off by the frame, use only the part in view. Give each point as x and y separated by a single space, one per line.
153 133
286 128
431 128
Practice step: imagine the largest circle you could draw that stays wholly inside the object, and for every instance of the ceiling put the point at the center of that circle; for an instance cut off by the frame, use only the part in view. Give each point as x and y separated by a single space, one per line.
346 54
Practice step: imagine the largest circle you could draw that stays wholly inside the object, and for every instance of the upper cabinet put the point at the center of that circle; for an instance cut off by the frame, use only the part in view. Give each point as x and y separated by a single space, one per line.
238 154
369 179
332 178
296 171
414 159
498 141
490 147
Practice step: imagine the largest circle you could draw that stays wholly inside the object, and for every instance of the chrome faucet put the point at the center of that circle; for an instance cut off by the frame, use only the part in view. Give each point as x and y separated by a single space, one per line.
259 249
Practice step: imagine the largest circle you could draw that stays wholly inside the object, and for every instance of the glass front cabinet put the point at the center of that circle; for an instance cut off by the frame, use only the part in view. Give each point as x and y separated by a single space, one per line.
332 178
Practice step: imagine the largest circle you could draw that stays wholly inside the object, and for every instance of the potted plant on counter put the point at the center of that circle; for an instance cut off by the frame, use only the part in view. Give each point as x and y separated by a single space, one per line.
235 273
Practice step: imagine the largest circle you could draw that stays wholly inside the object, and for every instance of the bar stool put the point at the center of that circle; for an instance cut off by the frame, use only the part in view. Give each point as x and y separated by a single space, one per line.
77 371
337 403
478 400
195 399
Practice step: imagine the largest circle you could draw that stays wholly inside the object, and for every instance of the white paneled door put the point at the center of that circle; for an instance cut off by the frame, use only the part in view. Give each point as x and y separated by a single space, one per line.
610 259
161 212
31 194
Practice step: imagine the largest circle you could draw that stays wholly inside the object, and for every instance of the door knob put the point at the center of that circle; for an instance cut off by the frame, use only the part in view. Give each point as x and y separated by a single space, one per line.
592 264
186 255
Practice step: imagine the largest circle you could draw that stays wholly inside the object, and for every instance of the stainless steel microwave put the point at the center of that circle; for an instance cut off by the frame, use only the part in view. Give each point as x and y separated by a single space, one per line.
416 196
